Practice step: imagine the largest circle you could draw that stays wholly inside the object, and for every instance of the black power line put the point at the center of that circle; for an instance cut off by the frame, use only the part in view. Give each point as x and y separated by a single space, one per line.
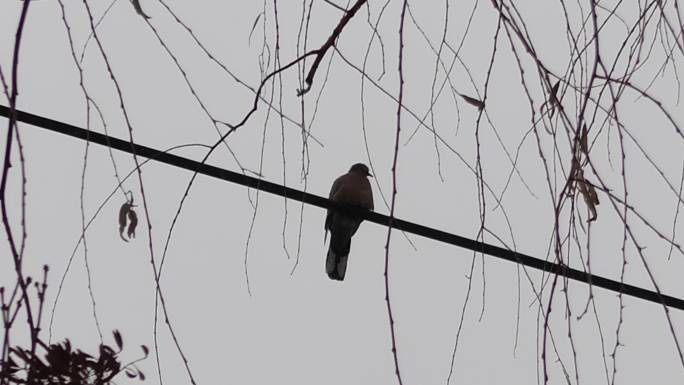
371 216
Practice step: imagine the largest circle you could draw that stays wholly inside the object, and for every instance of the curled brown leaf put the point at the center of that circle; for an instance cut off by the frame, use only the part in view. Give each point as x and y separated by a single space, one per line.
590 197
128 220
132 224
472 101
584 142
123 218
587 190
118 339
138 9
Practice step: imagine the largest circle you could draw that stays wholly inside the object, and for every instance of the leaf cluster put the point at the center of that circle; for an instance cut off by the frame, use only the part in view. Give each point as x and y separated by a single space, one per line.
62 363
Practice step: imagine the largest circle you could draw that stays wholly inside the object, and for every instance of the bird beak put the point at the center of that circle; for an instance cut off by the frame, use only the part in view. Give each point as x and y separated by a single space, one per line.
369 175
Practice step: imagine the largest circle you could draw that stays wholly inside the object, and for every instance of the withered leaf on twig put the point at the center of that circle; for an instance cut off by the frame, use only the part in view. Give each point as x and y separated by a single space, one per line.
587 190
554 89
118 339
132 223
127 218
584 142
590 197
553 99
138 9
472 101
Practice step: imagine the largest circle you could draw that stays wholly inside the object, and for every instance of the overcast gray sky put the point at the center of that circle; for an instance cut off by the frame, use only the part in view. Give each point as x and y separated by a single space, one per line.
302 327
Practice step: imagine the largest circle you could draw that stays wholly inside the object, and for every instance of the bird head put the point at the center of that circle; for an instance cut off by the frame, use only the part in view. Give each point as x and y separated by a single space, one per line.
360 169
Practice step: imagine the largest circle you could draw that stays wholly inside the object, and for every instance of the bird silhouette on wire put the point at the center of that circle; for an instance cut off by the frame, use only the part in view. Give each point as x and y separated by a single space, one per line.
352 188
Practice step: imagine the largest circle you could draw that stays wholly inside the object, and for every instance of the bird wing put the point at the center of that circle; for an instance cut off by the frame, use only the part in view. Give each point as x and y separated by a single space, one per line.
352 189
333 192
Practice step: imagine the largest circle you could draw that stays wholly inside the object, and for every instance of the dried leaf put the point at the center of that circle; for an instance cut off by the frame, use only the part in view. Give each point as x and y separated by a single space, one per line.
130 373
123 215
133 218
127 216
141 375
145 350
590 197
553 99
138 9
118 339
593 195
554 90
584 143
472 101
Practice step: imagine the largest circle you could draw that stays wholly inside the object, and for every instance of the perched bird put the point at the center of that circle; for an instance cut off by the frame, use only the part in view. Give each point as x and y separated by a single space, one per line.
351 188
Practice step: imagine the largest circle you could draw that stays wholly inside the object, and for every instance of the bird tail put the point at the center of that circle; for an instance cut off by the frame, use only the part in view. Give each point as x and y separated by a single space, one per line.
338 252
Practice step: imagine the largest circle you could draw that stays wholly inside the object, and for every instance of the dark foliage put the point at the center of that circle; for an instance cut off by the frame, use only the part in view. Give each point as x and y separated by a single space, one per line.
61 363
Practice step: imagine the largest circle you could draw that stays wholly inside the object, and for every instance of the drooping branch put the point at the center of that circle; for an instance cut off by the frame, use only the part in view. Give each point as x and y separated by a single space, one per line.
320 53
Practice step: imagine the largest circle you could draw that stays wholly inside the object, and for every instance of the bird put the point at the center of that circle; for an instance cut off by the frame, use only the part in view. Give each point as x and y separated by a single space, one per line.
352 188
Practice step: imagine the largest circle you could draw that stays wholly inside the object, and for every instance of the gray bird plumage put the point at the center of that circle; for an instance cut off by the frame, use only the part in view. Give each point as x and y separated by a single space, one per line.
352 188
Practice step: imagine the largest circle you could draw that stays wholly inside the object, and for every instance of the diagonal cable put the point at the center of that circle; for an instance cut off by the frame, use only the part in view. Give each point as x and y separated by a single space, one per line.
315 200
